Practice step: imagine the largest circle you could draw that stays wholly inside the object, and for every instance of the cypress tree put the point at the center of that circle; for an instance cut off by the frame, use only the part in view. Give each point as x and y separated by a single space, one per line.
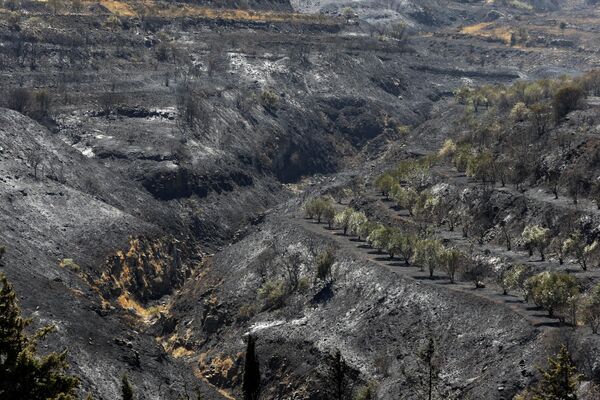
126 388
251 384
337 376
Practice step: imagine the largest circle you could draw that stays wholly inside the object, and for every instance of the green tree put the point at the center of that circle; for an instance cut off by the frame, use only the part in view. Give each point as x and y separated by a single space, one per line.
552 290
401 244
576 246
514 278
329 215
428 254
406 198
451 261
482 167
379 237
357 220
126 389
24 374
475 270
342 219
251 383
560 380
319 208
590 308
384 184
536 237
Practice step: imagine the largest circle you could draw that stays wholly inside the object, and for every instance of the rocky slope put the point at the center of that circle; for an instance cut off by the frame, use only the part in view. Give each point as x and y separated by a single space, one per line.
112 208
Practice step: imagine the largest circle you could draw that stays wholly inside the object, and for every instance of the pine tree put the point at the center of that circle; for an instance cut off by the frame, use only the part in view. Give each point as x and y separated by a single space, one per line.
126 388
560 379
24 374
251 384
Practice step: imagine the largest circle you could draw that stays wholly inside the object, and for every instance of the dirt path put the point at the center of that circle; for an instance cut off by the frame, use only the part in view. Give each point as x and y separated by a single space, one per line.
536 317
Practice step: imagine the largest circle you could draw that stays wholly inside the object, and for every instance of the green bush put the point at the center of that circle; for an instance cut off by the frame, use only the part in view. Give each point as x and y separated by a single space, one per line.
325 262
269 100
273 293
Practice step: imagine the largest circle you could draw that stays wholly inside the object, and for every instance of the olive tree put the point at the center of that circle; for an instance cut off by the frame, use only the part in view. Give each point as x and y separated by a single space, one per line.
475 270
342 219
536 237
576 246
428 254
356 222
401 244
590 308
451 261
379 237
513 278
384 184
552 290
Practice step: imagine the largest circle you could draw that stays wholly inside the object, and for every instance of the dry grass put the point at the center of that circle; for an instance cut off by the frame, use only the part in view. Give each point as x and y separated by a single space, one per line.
119 8
488 29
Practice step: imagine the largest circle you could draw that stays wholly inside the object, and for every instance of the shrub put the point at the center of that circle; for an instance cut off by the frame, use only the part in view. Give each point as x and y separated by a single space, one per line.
325 262
269 100
273 293
19 100
366 392
69 264
568 98
246 311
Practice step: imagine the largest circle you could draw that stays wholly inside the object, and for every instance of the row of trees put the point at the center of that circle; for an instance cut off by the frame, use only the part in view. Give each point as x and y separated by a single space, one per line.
552 291
427 253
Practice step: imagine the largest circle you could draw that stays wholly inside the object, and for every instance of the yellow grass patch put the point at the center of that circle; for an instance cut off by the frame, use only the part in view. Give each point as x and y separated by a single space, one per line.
487 29
119 8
